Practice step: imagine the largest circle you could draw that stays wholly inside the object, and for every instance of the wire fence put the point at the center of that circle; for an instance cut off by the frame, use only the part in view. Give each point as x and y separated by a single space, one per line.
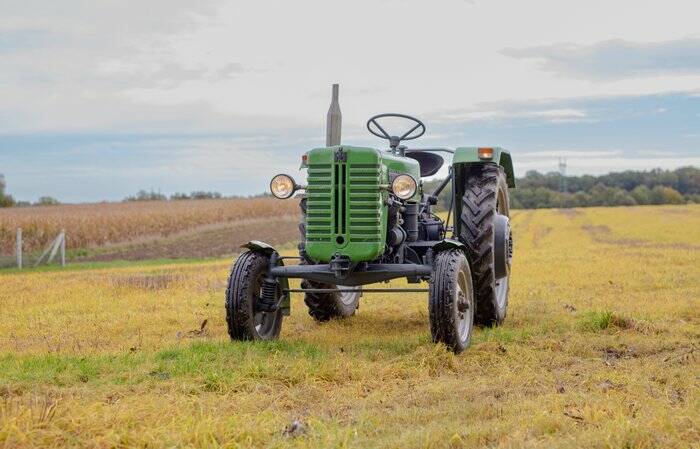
52 254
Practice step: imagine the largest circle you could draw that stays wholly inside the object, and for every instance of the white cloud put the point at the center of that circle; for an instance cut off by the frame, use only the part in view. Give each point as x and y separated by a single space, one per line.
615 58
251 65
510 111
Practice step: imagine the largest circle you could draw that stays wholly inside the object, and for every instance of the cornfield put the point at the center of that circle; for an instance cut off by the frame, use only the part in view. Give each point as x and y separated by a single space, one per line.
91 225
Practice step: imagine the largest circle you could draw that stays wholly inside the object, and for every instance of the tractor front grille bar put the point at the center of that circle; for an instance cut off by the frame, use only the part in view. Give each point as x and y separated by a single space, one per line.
364 290
369 274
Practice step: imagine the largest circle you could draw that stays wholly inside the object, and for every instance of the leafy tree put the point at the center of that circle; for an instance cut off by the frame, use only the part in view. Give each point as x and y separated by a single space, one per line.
144 195
201 195
666 195
5 200
47 201
642 194
196 195
179 196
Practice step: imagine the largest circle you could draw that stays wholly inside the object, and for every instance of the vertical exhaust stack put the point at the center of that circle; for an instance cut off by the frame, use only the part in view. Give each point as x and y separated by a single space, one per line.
334 120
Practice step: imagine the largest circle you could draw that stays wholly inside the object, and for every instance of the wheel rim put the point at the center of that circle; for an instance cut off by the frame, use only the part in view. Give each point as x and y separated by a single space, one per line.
350 295
501 285
463 306
502 290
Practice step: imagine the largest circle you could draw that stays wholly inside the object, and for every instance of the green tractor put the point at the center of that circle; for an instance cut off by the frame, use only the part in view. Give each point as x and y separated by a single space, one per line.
366 219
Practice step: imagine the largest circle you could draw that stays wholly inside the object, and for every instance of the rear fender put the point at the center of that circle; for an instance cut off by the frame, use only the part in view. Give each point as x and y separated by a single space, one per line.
268 250
467 156
470 155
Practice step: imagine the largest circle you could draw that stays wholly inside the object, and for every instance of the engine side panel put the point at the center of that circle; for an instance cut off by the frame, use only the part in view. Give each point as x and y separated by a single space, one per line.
402 165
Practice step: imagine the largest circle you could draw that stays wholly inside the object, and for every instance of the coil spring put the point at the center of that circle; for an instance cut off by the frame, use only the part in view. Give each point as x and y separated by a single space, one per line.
268 296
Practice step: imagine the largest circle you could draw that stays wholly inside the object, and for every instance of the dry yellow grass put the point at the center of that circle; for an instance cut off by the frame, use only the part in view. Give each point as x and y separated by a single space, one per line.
600 350
90 225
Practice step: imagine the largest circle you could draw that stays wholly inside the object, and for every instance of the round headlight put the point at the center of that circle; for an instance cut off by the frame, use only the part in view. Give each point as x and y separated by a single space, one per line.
404 186
282 186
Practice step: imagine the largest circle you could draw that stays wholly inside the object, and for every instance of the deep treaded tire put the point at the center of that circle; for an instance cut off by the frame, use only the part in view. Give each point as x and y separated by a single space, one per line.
243 291
485 195
451 301
324 306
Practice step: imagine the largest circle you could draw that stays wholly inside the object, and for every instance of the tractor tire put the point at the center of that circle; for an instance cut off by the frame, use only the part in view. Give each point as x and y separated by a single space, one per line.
243 291
324 306
327 306
485 230
451 301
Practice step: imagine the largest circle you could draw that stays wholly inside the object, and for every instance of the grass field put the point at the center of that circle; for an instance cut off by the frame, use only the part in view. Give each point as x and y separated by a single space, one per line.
601 349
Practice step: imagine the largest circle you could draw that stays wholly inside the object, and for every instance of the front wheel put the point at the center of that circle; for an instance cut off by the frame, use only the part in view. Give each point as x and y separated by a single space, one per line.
243 292
451 301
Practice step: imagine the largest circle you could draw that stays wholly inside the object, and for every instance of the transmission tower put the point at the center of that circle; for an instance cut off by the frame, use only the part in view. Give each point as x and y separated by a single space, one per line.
562 174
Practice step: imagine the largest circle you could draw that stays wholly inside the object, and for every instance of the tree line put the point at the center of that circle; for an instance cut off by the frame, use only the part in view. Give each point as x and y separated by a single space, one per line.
5 199
146 195
536 190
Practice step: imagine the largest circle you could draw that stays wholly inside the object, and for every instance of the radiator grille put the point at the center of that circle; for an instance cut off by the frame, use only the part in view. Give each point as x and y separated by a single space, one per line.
343 200
364 200
319 203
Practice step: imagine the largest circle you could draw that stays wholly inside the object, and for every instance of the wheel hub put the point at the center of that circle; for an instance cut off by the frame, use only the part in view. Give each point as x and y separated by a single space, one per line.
462 303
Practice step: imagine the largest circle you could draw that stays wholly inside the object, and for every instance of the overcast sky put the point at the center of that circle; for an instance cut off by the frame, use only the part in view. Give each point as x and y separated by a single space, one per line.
101 98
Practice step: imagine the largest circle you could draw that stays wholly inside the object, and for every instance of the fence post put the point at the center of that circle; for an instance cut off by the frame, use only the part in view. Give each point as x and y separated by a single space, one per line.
18 248
63 247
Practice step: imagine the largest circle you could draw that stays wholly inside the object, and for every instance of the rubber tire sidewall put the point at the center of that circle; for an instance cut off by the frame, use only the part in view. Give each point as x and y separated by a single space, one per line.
241 296
444 323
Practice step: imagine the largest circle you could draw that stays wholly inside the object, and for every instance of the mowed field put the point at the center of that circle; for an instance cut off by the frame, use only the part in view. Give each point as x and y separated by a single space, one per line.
601 349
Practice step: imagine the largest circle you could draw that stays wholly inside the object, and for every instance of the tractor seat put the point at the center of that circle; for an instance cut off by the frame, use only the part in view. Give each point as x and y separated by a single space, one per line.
429 163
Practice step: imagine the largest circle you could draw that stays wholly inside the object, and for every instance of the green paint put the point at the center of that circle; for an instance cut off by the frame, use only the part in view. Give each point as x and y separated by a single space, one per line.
346 201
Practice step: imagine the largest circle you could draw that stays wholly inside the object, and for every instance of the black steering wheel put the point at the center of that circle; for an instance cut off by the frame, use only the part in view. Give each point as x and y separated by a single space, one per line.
395 140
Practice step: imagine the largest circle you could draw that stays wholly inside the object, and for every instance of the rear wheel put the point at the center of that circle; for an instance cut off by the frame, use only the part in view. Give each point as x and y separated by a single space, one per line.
485 230
326 306
451 301
243 292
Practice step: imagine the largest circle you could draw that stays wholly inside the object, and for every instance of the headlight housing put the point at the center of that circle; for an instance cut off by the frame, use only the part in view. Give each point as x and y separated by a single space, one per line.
283 186
404 186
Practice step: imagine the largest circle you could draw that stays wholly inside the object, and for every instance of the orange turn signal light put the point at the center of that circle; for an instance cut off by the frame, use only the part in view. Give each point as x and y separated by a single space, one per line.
485 153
